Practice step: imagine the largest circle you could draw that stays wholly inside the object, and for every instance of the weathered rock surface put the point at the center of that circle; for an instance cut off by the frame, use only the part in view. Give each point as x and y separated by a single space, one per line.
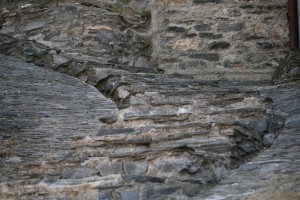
42 113
220 39
274 174
149 135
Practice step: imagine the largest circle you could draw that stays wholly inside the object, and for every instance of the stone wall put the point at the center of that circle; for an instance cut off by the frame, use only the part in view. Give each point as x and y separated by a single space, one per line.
220 39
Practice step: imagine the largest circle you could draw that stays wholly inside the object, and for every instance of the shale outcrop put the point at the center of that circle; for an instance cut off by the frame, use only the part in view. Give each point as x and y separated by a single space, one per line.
88 113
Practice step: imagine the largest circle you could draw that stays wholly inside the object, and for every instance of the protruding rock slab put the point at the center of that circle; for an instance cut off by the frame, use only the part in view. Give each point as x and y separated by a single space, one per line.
41 113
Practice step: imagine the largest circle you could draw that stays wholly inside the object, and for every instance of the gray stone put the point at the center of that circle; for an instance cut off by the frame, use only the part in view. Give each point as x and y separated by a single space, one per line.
113 131
219 45
227 27
34 25
205 56
210 36
176 29
105 36
130 195
65 116
59 60
109 118
135 168
71 9
256 57
260 125
295 73
248 146
139 5
109 168
268 139
105 196
143 179
29 51
78 173
270 167
141 62
8 29
159 192
206 1
267 45
192 64
14 159
6 39
45 99
202 27
52 176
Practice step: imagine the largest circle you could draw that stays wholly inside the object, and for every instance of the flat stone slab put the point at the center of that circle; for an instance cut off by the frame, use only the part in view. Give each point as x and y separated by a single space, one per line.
41 113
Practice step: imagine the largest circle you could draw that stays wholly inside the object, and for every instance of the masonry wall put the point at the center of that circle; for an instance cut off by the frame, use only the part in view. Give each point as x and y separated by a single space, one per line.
220 39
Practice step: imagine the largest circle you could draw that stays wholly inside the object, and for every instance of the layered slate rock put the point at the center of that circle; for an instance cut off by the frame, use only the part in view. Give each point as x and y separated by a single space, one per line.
42 113
274 174
174 136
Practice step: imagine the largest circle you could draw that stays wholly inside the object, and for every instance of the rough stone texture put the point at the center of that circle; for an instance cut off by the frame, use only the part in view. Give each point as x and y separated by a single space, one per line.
167 135
274 173
39 119
289 69
252 35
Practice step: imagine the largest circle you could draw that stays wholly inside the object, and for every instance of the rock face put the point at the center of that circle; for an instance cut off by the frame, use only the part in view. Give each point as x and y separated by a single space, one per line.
274 173
41 115
124 129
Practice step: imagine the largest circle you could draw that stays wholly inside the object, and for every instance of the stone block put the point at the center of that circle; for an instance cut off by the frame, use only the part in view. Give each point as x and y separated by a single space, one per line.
51 176
130 195
192 64
59 60
105 196
210 35
71 9
135 168
78 173
268 139
109 168
260 125
248 146
219 45
34 25
176 29
267 45
202 27
227 27
205 56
